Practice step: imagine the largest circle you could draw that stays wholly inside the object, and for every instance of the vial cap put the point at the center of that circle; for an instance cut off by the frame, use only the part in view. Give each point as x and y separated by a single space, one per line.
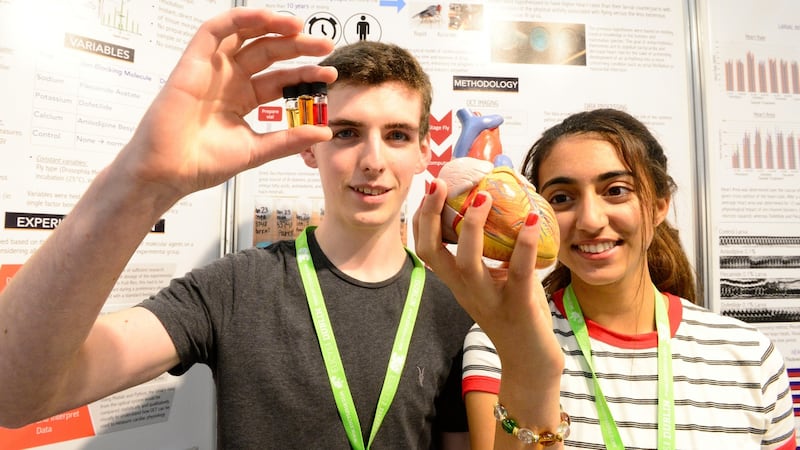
290 92
304 89
319 87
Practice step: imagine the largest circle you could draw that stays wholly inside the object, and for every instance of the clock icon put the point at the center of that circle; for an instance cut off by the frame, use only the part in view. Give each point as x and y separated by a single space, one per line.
324 25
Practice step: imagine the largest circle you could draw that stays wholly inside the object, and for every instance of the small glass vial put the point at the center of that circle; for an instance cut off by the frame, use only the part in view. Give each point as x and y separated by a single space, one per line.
290 105
319 91
305 103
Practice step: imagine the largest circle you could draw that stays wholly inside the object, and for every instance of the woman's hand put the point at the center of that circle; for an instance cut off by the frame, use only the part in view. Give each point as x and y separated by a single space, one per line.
508 303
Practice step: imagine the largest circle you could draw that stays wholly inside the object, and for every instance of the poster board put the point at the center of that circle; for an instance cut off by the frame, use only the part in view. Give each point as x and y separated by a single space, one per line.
532 62
751 100
75 77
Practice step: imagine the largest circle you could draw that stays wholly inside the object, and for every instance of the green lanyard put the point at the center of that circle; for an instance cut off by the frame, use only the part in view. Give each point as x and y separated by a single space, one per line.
330 352
666 402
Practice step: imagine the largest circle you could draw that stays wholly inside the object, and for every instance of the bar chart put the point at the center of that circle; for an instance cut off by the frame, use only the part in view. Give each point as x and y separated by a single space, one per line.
753 73
762 148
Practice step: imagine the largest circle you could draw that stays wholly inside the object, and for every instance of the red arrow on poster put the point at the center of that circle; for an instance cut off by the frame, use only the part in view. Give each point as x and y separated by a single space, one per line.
437 161
441 129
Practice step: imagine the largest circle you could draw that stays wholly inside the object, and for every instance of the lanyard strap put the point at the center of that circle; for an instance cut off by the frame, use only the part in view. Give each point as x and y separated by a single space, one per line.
330 351
666 402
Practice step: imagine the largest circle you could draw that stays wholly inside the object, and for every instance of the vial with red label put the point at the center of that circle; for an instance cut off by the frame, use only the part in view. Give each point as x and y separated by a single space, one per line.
319 91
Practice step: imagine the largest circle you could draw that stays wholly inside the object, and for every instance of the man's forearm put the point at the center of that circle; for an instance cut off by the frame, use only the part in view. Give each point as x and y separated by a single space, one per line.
49 307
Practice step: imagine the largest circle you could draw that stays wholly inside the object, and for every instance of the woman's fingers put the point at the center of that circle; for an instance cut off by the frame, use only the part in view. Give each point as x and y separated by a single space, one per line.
487 294
522 276
427 228
469 257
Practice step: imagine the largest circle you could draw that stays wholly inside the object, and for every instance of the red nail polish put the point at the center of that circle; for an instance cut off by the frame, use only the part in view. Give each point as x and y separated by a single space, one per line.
531 220
479 199
431 188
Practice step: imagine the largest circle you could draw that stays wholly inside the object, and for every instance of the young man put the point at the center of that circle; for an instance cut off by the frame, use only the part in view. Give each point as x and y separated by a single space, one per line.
255 317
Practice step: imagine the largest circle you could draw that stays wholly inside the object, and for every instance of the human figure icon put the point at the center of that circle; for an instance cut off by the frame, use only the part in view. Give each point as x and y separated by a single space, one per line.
362 27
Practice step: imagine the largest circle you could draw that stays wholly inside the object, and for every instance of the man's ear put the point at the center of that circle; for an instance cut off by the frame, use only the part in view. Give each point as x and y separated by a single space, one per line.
309 157
425 153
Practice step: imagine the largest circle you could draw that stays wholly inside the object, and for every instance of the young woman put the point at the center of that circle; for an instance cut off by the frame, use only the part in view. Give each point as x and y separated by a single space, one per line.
612 335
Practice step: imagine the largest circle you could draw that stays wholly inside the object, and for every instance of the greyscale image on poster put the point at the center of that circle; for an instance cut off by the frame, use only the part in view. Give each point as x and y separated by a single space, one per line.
758 275
539 43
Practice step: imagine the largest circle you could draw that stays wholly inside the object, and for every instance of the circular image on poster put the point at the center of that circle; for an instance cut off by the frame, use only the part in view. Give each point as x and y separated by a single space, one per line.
539 39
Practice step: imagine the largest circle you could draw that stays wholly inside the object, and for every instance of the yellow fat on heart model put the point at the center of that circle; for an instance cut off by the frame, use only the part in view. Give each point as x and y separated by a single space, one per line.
478 165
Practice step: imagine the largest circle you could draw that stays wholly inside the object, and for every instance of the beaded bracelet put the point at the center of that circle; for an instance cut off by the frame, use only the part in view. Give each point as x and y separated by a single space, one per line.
545 438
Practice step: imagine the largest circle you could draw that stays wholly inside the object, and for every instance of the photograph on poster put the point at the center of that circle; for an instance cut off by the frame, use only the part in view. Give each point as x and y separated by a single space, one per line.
539 43
759 277
766 290
430 14
465 17
286 216
282 217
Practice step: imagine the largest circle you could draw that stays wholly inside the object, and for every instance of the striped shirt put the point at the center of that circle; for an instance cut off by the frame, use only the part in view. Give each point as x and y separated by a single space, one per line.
730 383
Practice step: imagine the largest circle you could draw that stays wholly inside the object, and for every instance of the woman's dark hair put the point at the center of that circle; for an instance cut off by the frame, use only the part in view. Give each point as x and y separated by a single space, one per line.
641 153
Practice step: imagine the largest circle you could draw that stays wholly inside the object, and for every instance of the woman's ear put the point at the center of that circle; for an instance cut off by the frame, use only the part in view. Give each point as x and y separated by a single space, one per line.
661 210
309 157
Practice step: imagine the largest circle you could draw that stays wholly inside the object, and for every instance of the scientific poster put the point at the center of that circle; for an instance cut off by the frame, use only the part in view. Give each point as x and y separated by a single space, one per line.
751 86
532 62
75 77
79 74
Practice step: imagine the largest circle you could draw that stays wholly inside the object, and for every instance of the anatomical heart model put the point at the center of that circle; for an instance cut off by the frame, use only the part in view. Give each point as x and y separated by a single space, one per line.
478 164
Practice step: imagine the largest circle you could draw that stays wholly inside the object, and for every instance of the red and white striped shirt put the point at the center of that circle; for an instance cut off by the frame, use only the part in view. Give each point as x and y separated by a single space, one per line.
730 384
